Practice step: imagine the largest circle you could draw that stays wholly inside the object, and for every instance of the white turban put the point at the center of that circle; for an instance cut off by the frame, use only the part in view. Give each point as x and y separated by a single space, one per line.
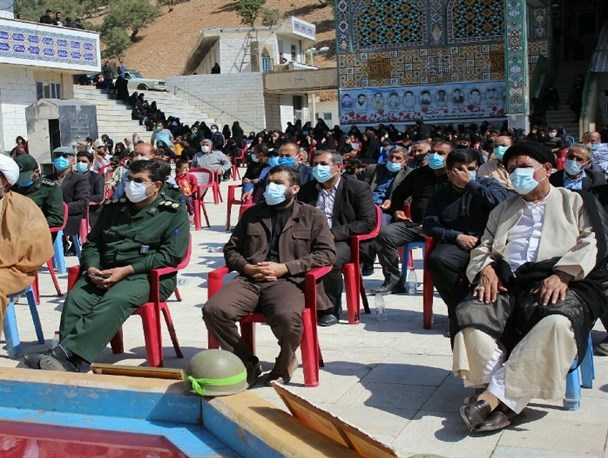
9 168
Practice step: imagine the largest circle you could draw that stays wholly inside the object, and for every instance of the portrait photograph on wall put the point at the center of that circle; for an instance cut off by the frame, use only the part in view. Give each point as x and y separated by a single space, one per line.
443 102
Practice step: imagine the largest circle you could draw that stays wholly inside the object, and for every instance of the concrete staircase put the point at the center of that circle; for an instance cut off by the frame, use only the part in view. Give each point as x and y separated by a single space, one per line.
114 117
563 83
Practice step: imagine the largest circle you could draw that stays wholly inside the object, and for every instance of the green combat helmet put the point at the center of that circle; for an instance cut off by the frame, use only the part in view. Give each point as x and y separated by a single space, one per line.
217 373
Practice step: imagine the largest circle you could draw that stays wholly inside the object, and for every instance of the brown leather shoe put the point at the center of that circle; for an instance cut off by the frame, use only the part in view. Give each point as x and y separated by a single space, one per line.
495 421
474 414
282 376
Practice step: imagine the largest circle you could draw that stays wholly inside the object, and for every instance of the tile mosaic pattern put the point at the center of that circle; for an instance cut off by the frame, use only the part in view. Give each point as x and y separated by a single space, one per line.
516 57
47 45
382 24
471 21
474 62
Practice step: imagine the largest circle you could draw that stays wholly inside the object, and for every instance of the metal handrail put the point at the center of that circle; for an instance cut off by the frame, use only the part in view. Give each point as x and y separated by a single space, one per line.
218 109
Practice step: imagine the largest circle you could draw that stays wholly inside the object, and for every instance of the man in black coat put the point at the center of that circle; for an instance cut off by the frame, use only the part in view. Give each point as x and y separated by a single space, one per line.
75 187
96 184
579 173
349 208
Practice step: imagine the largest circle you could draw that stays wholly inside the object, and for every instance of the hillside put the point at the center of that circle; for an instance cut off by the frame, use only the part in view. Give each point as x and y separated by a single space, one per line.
164 46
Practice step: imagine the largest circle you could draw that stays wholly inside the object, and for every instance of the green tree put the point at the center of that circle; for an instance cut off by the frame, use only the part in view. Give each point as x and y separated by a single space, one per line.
130 16
270 17
249 10
116 42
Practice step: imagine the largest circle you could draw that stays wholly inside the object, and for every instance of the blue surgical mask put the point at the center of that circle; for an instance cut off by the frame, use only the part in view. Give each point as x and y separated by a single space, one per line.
499 152
287 161
572 167
523 180
436 161
393 167
275 193
82 167
321 173
473 174
254 158
273 161
595 146
26 183
61 163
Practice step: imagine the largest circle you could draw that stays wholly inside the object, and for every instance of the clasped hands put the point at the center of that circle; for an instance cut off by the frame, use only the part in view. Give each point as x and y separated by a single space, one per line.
265 271
104 279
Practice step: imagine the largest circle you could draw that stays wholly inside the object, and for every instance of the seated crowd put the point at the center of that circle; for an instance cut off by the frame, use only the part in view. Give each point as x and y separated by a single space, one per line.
518 223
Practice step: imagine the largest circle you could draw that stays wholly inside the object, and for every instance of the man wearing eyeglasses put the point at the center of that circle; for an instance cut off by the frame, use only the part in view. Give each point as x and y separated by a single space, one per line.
134 235
578 174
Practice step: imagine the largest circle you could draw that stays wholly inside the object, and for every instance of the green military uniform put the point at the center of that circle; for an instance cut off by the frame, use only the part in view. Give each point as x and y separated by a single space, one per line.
48 196
147 238
174 192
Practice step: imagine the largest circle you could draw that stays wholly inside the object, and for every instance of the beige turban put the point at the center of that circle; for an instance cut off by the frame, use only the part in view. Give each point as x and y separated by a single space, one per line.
9 168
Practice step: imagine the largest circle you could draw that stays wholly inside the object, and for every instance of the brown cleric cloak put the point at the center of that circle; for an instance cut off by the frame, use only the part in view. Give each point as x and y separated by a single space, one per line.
25 244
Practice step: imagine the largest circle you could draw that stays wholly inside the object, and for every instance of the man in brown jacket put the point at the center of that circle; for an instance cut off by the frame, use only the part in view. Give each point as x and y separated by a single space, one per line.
273 246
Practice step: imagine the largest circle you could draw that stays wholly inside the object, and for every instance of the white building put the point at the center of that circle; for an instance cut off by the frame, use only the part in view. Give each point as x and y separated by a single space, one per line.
38 61
267 79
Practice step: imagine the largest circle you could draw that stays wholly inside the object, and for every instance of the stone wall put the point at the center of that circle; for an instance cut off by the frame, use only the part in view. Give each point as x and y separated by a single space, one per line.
226 97
17 91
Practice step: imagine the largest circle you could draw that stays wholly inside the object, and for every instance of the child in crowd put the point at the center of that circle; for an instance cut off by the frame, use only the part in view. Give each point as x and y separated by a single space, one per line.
188 182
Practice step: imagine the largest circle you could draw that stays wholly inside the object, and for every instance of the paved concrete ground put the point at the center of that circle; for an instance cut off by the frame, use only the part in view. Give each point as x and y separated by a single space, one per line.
391 379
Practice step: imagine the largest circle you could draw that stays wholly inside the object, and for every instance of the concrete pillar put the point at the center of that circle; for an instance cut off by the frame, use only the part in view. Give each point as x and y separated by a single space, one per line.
516 64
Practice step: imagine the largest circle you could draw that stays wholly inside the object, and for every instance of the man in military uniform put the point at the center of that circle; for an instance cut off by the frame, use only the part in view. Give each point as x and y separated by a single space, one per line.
45 193
134 235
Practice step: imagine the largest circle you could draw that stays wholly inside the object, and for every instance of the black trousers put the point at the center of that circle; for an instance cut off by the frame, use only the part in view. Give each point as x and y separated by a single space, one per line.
447 265
332 282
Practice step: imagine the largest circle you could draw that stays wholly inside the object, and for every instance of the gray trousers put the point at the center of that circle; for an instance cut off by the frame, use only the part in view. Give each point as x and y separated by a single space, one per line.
389 240
281 301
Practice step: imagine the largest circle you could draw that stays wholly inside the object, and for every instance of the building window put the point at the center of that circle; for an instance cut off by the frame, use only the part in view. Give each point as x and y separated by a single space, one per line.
48 90
327 118
293 53
266 64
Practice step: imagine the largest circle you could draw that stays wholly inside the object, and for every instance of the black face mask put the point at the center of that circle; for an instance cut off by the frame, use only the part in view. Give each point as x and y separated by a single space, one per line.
418 160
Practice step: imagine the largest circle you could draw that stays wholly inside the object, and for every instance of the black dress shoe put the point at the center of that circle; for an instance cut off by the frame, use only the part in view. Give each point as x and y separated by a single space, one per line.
386 288
474 414
328 319
32 360
367 270
399 289
495 421
60 359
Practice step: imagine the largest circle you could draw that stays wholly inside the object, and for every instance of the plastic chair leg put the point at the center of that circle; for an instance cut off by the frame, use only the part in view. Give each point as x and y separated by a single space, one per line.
36 288
117 343
361 292
352 293
59 256
587 367
77 245
11 333
197 215
31 299
205 213
154 351
572 400
167 314
310 354
51 268
228 212
178 296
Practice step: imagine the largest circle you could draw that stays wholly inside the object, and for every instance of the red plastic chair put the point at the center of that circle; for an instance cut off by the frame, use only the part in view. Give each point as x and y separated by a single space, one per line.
353 278
561 159
312 358
207 179
427 282
50 265
150 314
237 162
232 200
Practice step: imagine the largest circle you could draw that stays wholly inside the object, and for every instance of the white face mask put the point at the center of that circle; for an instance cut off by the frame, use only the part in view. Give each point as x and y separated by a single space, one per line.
136 192
205 149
